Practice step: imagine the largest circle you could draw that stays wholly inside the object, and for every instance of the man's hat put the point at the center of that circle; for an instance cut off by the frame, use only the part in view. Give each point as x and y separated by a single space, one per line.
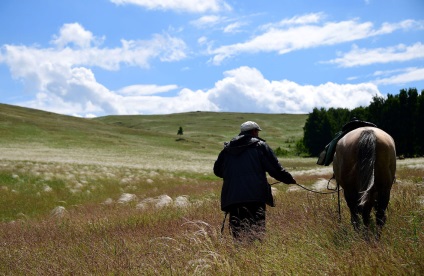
249 125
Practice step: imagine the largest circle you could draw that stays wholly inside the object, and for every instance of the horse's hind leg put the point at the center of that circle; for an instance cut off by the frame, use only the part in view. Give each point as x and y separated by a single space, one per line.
354 218
352 203
366 218
380 214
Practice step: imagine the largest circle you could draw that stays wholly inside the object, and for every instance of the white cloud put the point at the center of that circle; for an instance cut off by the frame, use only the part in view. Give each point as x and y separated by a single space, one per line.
402 25
206 21
137 90
201 40
62 80
132 52
401 77
296 20
191 6
224 24
246 90
284 38
75 34
362 57
22 59
234 27
75 90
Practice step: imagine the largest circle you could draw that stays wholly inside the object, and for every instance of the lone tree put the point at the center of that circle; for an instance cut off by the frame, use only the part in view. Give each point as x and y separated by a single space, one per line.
180 131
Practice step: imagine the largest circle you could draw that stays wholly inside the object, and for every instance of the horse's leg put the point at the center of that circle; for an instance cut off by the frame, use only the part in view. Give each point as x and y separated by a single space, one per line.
354 218
366 218
352 203
380 214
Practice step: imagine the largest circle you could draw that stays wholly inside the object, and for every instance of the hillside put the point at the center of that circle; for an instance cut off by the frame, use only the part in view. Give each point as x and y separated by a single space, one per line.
204 132
19 125
210 128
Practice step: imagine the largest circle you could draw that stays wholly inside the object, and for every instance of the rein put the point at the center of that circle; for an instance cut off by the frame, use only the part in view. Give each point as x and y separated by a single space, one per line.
317 192
335 190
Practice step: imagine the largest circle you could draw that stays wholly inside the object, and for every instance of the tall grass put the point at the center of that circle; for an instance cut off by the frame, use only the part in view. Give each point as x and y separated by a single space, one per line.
62 180
303 233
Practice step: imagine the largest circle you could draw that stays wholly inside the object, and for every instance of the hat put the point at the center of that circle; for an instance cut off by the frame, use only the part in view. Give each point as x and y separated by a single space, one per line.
249 125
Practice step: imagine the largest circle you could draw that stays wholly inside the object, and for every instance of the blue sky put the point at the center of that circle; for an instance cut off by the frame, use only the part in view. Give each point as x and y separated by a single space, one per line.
104 57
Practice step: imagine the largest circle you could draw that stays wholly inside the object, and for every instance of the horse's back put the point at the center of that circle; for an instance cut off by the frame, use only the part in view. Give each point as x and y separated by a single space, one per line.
345 159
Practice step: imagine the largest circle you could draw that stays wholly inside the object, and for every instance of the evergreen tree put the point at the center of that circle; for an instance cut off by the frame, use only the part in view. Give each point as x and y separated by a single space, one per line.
419 125
317 131
180 131
401 116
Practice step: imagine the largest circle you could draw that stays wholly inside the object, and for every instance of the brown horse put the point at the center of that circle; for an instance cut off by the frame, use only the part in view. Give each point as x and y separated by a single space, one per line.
364 166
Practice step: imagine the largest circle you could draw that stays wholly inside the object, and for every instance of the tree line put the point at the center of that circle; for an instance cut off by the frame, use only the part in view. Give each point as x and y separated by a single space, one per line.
401 116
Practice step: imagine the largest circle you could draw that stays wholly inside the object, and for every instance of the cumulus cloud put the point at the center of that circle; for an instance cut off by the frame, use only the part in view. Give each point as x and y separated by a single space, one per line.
305 32
75 91
75 34
190 6
61 77
246 90
398 53
243 89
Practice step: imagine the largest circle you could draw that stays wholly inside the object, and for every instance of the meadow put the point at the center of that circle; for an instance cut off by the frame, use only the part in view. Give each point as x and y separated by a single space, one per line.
126 195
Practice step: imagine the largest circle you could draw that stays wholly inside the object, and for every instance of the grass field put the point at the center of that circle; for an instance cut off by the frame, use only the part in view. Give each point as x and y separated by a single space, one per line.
127 195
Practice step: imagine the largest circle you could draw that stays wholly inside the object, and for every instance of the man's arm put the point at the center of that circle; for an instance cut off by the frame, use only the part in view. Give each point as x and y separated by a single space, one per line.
218 167
274 168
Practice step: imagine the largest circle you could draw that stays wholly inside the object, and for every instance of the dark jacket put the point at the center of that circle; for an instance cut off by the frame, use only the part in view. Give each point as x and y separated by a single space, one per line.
243 164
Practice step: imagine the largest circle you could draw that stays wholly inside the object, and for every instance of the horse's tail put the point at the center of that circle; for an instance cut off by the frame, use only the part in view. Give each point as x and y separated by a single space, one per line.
366 152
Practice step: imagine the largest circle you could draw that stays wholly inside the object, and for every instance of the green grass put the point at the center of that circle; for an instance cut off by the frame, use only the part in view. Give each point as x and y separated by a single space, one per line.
85 165
203 131
211 127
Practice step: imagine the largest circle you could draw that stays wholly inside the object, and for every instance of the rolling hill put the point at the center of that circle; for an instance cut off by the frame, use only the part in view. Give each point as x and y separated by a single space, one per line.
204 132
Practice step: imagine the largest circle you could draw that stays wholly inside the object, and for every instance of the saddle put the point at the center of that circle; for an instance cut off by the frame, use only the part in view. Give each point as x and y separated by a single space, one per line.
326 156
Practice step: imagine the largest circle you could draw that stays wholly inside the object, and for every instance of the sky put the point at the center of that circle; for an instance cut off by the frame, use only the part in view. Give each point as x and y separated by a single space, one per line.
120 57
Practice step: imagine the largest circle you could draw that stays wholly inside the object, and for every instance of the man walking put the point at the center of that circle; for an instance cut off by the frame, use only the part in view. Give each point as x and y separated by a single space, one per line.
243 164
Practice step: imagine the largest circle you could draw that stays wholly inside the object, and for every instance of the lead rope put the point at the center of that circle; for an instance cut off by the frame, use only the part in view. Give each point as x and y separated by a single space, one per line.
337 189
338 195
313 191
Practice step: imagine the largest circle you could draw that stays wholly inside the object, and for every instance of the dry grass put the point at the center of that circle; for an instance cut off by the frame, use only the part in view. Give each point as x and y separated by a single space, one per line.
80 197
303 237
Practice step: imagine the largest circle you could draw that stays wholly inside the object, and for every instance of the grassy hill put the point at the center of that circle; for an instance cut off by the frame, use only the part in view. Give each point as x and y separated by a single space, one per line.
25 125
209 129
204 132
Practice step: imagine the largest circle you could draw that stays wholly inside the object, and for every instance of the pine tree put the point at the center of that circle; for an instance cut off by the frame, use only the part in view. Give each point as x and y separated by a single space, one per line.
180 131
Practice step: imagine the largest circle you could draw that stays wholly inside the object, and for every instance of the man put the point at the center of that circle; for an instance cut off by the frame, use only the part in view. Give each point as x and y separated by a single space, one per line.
243 164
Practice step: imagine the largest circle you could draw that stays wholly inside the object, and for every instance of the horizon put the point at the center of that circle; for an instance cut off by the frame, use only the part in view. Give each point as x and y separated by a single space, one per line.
136 57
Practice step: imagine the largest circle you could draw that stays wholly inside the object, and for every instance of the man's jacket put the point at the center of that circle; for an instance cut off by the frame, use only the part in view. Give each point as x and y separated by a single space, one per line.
243 164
